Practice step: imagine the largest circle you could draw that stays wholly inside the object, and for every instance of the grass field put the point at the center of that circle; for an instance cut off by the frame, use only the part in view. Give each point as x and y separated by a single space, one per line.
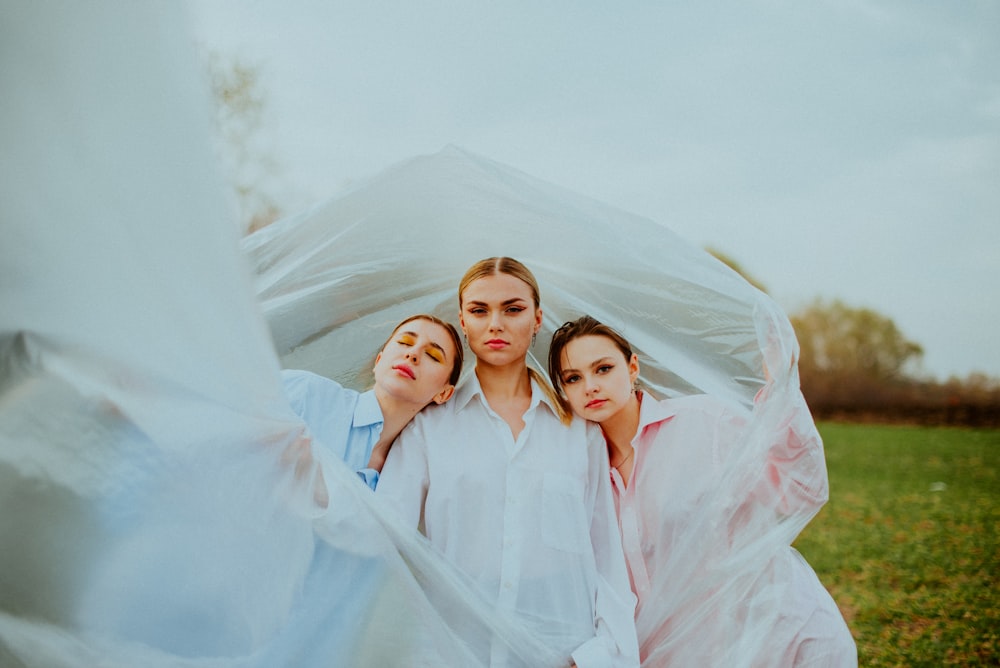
908 542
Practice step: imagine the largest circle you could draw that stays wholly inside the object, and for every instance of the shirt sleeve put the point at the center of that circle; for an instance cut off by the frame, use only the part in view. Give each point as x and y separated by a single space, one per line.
369 477
614 644
404 479
296 385
796 465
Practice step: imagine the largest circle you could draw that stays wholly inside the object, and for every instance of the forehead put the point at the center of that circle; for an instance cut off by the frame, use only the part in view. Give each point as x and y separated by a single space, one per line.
497 288
431 330
583 351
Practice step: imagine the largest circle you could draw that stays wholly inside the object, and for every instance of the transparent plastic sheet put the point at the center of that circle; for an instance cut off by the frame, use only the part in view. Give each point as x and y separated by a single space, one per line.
158 508
151 516
332 279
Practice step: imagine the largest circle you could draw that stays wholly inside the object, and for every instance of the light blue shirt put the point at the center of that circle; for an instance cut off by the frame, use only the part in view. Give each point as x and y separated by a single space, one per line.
341 421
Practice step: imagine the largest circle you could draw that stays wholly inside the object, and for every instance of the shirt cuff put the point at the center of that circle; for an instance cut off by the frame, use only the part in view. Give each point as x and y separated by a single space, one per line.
369 477
592 654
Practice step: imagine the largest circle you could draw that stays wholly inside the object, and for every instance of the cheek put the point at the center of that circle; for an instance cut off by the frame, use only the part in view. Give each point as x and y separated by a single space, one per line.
441 377
575 395
624 386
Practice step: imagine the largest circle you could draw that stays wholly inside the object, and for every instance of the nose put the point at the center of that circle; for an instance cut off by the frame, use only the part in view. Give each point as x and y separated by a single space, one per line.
592 385
495 322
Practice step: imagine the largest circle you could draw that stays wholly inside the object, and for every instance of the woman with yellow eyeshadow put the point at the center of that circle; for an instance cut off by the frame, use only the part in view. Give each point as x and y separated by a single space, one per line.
418 365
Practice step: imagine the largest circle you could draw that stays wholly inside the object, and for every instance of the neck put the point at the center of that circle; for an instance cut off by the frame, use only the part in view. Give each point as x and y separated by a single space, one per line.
396 414
620 429
504 383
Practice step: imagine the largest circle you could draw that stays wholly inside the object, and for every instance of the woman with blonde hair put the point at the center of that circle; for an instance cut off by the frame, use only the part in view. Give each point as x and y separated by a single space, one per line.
513 489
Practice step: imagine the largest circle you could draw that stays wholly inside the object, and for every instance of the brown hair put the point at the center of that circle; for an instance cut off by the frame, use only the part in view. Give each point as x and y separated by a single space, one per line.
585 326
456 340
508 265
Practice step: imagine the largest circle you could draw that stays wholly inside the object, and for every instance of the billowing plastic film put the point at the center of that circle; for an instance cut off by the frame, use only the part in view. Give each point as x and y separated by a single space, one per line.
728 589
333 279
158 508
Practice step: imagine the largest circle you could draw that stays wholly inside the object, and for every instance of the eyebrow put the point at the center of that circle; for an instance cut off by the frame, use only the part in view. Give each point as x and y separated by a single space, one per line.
506 302
597 362
433 344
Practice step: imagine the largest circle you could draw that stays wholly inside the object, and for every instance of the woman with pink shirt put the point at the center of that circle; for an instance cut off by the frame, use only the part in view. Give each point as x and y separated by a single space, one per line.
709 496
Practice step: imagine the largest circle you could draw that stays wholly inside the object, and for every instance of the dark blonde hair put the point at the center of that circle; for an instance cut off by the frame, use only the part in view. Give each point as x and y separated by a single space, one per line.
585 326
492 266
499 265
456 340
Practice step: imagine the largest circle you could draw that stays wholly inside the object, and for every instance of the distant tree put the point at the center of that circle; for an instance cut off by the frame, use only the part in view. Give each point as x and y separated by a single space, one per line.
240 107
851 356
735 266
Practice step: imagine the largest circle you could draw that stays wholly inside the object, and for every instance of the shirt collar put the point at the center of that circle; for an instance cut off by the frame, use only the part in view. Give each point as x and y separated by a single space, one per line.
471 389
652 411
367 411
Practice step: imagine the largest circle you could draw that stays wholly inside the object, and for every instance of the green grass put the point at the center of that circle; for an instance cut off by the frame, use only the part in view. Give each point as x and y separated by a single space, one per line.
907 544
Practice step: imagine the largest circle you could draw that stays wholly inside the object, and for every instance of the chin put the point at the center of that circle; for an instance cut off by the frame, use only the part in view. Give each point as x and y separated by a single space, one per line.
499 357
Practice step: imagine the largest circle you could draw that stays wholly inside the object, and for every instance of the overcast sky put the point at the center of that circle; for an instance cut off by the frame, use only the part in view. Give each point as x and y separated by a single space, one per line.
844 149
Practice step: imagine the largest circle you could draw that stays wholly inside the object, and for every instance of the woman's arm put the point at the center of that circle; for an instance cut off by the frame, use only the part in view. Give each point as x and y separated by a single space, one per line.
614 644
796 466
404 478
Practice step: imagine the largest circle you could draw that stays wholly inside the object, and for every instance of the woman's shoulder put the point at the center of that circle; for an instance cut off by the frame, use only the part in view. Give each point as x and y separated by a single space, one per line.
295 377
699 405
302 385
432 419
699 402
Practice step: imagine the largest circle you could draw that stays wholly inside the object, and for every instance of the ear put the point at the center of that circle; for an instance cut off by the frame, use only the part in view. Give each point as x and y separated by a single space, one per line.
461 321
633 367
377 358
538 320
444 395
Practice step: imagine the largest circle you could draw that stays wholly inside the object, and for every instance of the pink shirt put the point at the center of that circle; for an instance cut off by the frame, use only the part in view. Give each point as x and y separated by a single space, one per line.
715 498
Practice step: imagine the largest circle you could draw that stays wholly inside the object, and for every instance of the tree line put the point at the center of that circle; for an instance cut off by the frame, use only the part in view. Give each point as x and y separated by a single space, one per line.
856 365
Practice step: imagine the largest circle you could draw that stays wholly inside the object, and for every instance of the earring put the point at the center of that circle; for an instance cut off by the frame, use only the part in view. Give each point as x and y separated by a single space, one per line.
533 337
466 338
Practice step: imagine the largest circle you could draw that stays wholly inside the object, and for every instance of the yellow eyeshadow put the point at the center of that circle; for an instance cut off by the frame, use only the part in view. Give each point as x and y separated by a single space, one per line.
436 354
406 340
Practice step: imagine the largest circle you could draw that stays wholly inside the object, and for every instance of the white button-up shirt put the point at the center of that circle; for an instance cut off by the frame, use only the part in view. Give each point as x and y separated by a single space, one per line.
531 519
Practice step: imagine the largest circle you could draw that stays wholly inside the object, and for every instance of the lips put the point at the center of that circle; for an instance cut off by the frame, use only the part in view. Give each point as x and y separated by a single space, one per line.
405 370
496 344
596 403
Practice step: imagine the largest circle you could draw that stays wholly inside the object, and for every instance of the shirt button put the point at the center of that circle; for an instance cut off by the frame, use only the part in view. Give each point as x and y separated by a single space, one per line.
506 585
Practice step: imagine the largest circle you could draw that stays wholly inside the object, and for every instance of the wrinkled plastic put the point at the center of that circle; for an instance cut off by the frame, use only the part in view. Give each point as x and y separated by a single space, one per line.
154 509
333 278
157 507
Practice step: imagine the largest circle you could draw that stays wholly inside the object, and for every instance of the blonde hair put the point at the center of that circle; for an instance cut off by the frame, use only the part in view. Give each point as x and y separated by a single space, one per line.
499 265
508 265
